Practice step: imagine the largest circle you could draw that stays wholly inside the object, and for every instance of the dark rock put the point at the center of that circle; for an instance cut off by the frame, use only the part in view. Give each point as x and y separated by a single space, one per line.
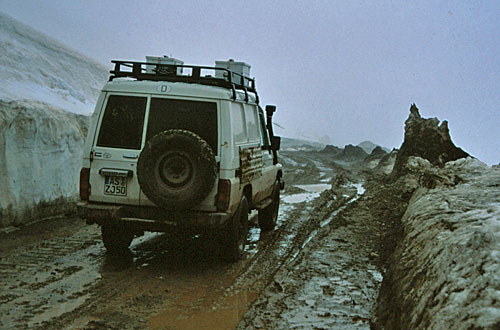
425 138
351 153
377 153
372 160
369 146
331 149
386 164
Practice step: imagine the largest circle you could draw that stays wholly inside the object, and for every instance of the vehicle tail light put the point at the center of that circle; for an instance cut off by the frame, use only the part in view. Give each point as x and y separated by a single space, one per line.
84 184
223 195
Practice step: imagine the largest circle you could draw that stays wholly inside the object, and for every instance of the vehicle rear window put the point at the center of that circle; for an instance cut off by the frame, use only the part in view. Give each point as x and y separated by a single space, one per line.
195 116
122 122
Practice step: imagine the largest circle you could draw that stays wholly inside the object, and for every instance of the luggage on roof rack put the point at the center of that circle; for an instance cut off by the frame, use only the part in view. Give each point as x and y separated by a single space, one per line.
204 75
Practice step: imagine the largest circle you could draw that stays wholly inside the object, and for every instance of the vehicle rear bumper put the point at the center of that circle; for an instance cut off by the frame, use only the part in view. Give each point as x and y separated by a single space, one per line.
149 218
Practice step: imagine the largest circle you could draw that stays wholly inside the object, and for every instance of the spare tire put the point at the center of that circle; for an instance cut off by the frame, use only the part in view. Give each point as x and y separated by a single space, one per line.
176 169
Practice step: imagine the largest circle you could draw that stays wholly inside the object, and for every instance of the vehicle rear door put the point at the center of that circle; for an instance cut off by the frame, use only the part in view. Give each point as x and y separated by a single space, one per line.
116 148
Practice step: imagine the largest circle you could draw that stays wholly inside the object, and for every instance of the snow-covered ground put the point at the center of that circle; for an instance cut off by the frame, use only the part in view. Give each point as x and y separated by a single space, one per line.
44 85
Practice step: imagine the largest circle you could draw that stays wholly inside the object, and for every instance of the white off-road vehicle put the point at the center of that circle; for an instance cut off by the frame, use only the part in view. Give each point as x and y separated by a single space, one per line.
174 145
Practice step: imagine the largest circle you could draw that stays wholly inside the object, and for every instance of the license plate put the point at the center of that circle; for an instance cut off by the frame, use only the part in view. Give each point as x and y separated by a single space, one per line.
115 185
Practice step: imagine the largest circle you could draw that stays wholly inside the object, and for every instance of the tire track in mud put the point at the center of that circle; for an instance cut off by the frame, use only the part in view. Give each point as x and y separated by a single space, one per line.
275 249
38 278
67 281
331 283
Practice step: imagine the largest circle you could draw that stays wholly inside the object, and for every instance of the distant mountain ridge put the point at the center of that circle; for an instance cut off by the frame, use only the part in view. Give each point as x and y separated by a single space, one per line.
368 147
287 142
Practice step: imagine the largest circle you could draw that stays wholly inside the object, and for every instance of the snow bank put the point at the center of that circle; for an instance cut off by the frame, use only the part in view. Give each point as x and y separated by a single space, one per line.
36 67
445 272
40 159
41 144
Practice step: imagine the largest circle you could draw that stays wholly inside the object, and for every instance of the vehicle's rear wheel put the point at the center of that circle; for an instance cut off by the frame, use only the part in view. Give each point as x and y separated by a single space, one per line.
116 239
234 237
269 215
176 169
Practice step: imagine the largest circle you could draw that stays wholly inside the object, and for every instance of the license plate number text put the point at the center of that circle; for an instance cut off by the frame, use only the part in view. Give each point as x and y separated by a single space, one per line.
115 185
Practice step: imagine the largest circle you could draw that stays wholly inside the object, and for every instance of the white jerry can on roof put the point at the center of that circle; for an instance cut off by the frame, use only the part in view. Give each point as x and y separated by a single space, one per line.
241 68
162 60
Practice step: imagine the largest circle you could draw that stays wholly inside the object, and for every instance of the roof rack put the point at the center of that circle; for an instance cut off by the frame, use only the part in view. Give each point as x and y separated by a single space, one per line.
175 73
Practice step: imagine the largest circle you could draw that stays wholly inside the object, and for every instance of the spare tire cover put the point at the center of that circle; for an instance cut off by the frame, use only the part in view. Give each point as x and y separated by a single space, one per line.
176 169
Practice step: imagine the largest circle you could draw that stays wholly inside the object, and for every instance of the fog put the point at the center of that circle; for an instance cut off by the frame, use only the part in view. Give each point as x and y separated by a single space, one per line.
338 71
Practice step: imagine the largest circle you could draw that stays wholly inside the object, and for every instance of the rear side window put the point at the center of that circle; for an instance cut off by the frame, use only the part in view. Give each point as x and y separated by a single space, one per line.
195 116
238 123
122 122
253 128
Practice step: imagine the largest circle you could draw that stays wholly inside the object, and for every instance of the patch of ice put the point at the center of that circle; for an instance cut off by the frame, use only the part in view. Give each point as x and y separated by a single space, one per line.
324 180
376 275
146 237
313 234
296 149
313 188
253 238
360 188
289 160
337 211
299 198
320 166
312 192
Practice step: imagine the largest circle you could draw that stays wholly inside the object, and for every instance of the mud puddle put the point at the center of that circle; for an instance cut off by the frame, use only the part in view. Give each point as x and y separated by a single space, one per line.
332 281
225 313
167 281
311 191
46 279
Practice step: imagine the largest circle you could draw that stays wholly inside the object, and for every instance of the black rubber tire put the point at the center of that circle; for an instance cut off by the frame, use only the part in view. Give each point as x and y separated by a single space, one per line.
269 215
235 235
176 169
116 239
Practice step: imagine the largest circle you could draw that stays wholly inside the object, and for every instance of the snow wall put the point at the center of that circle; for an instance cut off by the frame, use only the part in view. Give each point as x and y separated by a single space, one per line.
47 91
40 159
36 67
445 273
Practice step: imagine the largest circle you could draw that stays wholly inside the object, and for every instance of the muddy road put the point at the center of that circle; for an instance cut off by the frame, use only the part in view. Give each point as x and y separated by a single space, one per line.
57 275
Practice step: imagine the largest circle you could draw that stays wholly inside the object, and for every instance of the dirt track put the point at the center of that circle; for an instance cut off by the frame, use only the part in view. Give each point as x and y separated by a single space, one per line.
57 275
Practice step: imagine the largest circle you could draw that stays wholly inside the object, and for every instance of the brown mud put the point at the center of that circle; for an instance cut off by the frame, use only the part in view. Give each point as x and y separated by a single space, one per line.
57 274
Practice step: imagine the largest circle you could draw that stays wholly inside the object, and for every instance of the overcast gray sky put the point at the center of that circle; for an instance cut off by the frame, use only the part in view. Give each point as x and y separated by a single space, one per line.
345 69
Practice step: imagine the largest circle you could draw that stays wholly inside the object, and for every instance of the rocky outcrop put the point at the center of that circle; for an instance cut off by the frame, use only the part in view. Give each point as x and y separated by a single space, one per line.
372 160
351 154
386 164
377 153
330 149
425 138
442 272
